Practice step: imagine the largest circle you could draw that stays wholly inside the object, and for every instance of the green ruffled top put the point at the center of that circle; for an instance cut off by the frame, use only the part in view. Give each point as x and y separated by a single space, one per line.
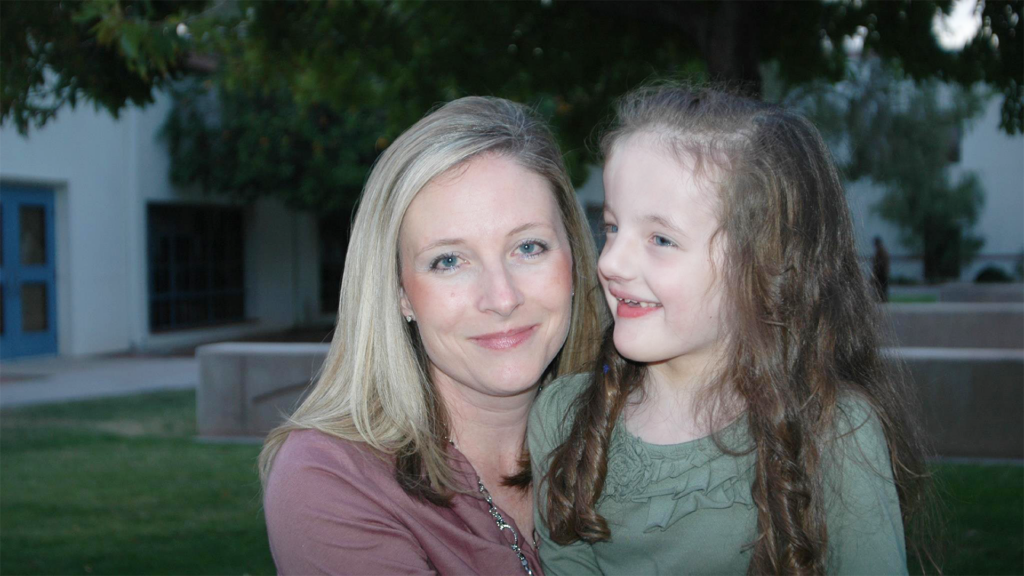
687 509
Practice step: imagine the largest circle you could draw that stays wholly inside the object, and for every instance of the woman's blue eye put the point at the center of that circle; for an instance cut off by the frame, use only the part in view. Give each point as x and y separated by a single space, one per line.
532 248
445 262
662 241
610 228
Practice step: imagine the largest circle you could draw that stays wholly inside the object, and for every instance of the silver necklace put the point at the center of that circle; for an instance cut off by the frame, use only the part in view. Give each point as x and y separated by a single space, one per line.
502 525
500 521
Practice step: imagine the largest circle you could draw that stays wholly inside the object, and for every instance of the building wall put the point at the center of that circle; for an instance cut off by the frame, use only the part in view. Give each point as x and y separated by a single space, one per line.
998 160
81 156
105 172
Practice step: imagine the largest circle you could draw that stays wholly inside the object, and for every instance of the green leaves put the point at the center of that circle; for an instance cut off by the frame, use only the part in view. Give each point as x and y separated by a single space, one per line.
109 52
373 68
262 143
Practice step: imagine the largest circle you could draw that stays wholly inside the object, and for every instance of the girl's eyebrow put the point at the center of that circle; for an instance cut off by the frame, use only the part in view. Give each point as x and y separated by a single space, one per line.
661 221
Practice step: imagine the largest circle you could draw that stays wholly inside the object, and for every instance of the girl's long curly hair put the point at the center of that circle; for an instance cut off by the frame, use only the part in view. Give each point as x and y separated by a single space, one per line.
802 327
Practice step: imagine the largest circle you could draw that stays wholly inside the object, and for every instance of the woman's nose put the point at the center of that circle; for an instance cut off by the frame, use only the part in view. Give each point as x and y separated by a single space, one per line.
500 292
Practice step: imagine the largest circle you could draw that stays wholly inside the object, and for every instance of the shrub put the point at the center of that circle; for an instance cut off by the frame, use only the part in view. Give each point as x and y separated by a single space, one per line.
992 274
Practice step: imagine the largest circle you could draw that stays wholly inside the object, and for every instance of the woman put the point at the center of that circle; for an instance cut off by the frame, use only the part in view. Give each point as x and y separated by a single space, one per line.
470 265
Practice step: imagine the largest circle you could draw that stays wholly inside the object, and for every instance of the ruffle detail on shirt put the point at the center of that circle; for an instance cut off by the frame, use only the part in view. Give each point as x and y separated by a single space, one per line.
674 487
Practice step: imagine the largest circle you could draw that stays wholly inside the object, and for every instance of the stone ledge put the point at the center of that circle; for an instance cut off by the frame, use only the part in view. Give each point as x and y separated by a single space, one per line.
245 389
972 399
958 325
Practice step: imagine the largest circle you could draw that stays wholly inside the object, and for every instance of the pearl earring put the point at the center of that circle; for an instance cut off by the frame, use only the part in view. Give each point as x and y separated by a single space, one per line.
409 318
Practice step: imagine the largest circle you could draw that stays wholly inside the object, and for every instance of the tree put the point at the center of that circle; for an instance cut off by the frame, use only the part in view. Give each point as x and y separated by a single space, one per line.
55 53
137 44
392 79
996 56
393 61
904 135
251 144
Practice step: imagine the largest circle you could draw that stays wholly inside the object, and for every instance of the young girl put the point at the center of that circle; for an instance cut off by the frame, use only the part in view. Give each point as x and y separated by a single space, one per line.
740 418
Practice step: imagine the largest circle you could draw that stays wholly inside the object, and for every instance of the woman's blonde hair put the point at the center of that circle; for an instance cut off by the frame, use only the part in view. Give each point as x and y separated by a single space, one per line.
374 386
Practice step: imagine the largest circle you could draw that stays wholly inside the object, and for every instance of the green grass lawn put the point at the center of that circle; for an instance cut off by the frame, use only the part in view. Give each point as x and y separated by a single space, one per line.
119 486
982 509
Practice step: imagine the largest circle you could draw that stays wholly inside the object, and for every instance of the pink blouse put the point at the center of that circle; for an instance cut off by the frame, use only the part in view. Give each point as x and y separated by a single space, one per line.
333 507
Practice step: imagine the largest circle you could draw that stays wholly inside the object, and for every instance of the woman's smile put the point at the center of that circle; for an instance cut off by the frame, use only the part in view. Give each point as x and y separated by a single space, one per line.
507 339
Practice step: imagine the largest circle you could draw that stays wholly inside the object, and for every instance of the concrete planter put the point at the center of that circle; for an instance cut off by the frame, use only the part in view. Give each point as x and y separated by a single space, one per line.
245 389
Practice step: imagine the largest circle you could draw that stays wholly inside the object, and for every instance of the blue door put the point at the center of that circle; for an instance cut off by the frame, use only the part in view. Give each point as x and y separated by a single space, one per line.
28 324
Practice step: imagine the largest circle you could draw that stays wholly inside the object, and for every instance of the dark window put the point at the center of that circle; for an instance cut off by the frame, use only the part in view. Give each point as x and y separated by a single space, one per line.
334 231
195 266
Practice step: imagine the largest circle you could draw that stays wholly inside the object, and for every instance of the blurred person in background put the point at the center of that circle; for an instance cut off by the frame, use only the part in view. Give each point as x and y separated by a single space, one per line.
880 270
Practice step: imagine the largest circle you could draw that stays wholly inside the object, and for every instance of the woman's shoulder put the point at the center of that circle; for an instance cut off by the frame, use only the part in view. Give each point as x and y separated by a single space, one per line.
332 505
306 450
311 465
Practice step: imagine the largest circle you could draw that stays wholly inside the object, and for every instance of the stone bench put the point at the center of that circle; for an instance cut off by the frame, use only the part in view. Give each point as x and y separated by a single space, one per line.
245 388
973 400
963 292
958 325
972 292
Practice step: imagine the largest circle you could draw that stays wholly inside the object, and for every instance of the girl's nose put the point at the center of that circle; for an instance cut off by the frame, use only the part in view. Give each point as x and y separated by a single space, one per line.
614 263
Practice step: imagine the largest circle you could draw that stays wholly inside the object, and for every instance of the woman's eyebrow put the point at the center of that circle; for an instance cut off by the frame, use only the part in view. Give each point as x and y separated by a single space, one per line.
524 227
440 243
459 241
661 221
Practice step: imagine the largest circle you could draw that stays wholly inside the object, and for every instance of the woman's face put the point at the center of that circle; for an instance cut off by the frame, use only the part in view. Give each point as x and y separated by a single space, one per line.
486 272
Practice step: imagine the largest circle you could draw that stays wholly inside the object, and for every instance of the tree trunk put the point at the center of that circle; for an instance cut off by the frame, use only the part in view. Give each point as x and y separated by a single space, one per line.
725 34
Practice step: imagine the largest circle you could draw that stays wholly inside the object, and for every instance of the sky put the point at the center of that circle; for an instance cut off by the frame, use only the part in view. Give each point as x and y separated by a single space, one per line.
955 30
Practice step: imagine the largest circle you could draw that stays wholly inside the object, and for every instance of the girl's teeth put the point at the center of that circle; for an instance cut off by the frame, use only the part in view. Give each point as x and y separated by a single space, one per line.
636 303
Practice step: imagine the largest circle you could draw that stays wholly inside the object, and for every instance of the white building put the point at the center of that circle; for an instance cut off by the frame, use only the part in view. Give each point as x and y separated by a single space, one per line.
998 160
101 254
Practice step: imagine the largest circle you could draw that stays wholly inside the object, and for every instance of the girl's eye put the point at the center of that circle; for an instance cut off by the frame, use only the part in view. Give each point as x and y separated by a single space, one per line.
662 241
610 228
444 263
532 248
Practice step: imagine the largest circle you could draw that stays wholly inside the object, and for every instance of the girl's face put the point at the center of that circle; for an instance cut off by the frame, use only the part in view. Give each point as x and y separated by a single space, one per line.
658 266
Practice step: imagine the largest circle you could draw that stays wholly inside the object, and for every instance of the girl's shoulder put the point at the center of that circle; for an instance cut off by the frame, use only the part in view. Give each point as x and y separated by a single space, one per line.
856 418
858 436
558 396
552 412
